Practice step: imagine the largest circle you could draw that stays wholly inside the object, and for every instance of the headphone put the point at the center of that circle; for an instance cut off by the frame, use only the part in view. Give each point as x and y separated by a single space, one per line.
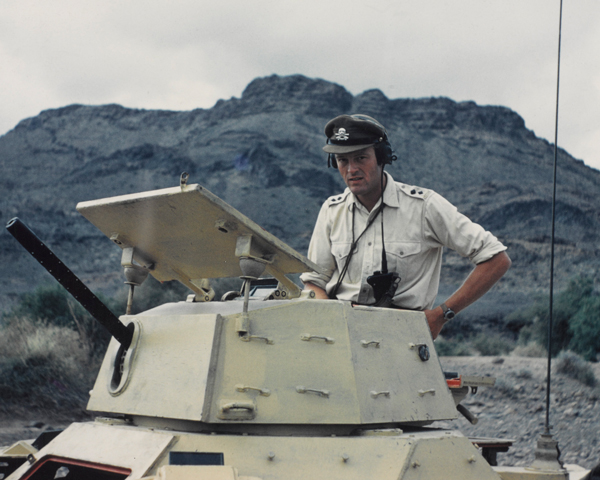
383 149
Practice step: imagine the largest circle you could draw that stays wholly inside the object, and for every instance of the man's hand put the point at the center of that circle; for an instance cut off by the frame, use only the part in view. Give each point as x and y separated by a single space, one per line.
435 319
482 278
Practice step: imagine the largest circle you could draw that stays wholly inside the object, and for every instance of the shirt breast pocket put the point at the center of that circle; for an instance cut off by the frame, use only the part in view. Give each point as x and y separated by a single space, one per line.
403 258
340 251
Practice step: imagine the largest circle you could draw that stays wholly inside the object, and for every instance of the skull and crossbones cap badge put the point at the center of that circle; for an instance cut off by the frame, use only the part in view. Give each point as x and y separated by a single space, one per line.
349 133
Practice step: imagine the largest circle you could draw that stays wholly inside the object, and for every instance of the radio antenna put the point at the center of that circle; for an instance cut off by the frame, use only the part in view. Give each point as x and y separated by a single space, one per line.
550 313
547 454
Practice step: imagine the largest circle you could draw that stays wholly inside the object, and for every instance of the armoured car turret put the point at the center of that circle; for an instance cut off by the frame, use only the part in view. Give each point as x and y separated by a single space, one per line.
277 385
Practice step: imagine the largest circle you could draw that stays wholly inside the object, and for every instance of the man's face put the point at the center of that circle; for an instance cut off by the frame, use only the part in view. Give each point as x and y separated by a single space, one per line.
361 173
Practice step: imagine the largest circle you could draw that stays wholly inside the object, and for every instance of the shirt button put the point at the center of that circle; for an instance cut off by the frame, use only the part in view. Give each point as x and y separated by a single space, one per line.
401 253
370 244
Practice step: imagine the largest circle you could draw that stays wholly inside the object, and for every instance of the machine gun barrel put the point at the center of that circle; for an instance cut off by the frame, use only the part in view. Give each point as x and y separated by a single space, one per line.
69 281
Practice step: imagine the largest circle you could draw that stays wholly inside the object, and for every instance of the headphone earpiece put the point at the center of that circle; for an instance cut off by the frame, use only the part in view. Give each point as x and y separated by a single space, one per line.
331 162
331 159
384 153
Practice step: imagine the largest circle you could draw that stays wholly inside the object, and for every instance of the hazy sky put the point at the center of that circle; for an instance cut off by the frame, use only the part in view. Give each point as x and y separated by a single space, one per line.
185 54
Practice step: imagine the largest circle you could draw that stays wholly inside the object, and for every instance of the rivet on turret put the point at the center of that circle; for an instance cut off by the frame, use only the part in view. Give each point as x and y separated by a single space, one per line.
472 459
415 464
345 458
271 456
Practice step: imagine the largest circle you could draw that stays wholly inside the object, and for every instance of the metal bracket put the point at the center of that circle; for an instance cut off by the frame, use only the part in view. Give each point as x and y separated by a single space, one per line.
286 289
425 392
236 410
204 292
135 274
321 393
307 337
377 394
183 180
246 247
265 392
247 338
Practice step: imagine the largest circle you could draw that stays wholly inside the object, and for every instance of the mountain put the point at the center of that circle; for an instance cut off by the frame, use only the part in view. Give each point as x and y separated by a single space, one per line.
262 154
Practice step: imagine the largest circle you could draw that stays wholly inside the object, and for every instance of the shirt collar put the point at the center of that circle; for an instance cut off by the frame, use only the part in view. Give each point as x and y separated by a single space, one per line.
390 196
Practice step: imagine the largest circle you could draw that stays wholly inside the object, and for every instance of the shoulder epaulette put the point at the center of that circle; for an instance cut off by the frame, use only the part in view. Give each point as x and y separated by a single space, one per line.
336 199
415 192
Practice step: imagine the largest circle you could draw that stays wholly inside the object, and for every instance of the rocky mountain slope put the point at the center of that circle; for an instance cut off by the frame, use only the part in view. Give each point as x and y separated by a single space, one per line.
262 154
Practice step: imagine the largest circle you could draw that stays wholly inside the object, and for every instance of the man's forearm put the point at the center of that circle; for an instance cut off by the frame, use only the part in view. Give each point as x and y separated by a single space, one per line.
319 292
482 278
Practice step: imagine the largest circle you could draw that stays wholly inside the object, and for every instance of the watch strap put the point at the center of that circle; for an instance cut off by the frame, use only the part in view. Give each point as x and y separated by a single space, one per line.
449 314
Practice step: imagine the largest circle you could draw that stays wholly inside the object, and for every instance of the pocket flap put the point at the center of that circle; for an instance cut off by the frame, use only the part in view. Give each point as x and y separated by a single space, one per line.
340 250
402 249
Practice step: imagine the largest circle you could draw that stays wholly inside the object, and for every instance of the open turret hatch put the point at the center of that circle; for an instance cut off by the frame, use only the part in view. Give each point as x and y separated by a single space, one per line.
188 234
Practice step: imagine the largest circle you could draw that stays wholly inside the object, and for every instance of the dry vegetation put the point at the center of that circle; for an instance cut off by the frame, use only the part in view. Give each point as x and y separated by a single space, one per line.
44 367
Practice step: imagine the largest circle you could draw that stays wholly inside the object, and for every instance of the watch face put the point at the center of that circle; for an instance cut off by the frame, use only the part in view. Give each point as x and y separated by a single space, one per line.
449 315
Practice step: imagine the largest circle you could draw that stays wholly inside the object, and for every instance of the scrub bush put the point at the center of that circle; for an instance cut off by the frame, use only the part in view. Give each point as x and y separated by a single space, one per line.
575 324
533 350
50 352
585 329
492 345
505 386
453 347
52 305
572 365
44 367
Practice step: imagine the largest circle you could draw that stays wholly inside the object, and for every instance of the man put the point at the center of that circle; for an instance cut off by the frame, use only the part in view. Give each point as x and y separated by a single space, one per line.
379 223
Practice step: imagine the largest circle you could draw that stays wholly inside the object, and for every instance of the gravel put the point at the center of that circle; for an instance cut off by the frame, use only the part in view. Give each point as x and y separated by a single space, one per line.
516 408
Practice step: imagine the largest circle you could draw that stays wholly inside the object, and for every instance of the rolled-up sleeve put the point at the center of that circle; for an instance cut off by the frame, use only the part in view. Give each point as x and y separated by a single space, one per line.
444 225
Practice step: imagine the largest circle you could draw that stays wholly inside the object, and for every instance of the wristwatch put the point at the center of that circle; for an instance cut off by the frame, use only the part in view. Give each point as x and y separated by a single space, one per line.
449 314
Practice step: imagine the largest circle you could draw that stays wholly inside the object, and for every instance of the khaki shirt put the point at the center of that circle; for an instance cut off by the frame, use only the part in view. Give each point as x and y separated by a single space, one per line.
417 224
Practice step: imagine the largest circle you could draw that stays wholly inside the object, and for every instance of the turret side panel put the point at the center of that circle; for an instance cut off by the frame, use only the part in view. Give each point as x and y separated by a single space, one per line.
394 384
304 376
326 362
169 372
